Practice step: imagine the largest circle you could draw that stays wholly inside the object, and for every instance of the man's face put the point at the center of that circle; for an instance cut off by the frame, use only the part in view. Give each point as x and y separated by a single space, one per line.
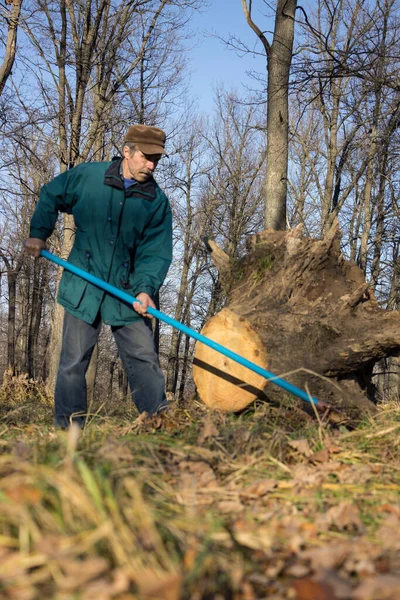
139 166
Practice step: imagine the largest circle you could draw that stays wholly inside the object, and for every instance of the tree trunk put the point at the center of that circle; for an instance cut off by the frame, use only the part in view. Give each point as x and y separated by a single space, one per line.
279 61
58 314
123 384
11 44
38 287
297 307
12 288
380 213
173 354
91 378
111 371
23 302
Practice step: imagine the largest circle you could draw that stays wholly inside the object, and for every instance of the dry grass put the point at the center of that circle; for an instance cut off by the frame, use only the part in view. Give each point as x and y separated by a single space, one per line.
197 505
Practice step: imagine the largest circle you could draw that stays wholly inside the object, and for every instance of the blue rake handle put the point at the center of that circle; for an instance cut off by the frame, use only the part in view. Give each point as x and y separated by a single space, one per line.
107 287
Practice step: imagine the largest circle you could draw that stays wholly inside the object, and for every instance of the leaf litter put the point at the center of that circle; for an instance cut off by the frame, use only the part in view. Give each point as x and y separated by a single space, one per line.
200 506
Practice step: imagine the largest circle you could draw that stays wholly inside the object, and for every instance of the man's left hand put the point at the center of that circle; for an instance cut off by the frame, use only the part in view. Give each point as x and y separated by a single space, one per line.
142 306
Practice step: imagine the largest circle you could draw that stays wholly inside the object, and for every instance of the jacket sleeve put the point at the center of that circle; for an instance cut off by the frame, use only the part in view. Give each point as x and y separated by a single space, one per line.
154 253
54 197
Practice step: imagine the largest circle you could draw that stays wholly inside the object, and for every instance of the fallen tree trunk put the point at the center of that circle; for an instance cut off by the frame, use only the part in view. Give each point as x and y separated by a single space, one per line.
296 307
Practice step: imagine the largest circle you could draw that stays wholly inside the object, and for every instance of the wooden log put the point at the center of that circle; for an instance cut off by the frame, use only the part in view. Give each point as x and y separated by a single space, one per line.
222 383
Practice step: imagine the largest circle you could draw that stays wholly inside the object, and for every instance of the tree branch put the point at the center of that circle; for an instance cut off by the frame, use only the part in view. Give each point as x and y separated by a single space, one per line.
257 30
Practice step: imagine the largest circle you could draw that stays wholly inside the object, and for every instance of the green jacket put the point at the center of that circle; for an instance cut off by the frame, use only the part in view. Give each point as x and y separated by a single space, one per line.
122 237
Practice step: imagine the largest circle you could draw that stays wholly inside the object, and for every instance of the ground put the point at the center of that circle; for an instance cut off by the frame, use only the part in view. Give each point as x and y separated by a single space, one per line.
196 505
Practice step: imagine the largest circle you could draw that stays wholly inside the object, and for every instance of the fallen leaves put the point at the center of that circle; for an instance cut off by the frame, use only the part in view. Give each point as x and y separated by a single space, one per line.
209 430
307 589
223 511
301 446
156 586
195 477
258 489
261 538
344 517
380 587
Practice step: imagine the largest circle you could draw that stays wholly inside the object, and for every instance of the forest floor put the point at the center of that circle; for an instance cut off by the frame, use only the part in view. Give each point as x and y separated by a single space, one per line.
197 505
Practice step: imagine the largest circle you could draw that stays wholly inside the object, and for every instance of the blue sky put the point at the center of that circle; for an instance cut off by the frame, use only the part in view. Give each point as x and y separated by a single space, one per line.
212 63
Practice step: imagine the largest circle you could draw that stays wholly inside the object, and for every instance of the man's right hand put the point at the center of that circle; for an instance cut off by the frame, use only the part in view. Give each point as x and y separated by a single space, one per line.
33 246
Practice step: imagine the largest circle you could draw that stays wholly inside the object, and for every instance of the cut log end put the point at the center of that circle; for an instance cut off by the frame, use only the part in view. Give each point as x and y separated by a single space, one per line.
222 383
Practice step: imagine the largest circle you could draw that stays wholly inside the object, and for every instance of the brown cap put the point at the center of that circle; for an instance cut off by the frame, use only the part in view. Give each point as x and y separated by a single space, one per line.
150 140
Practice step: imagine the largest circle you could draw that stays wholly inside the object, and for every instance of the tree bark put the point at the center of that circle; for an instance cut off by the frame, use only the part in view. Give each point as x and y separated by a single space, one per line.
279 59
11 44
12 275
39 268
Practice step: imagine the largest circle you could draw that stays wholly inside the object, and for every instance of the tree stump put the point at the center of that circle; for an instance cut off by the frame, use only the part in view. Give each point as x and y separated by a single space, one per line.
296 307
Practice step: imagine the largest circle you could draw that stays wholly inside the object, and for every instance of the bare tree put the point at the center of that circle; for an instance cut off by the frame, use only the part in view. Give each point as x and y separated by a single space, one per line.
18 195
279 58
188 169
237 181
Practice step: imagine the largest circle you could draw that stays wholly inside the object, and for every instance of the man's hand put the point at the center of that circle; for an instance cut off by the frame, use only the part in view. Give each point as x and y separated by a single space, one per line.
34 246
146 301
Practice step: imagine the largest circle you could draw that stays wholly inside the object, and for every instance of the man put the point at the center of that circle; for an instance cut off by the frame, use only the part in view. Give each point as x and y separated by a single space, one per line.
123 236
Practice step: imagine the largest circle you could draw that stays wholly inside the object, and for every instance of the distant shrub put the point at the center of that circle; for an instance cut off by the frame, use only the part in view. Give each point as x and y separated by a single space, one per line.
19 389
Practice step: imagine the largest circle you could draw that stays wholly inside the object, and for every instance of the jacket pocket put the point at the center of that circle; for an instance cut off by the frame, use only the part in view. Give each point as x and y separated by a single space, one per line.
71 290
72 287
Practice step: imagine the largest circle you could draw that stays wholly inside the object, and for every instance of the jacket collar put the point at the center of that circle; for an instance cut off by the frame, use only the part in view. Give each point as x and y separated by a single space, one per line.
113 178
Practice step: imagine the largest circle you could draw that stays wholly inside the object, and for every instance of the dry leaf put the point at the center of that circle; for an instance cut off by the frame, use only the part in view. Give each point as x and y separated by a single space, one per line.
389 532
196 476
260 539
302 447
307 475
355 474
297 570
390 508
381 587
327 557
140 420
340 587
209 430
153 586
332 448
230 506
322 456
307 589
260 488
344 517
201 472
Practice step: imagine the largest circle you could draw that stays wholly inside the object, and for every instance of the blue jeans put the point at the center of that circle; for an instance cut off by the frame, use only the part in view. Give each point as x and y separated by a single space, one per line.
136 348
